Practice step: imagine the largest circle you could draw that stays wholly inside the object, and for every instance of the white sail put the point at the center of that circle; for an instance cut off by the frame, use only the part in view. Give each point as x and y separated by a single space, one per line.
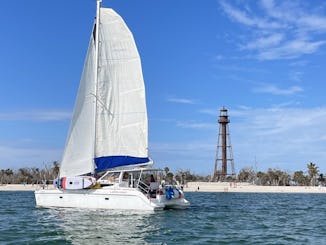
79 151
109 124
121 113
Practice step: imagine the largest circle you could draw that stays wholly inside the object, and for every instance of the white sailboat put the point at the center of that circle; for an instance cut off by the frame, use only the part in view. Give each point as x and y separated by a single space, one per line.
109 132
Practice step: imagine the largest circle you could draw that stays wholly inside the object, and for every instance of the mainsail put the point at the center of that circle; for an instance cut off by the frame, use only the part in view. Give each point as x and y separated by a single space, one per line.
109 123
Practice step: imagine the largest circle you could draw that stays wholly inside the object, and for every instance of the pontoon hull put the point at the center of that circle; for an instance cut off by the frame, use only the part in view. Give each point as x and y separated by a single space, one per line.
174 203
96 199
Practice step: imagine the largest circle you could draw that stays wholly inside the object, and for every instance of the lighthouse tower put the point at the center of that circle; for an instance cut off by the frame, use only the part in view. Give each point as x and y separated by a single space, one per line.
224 156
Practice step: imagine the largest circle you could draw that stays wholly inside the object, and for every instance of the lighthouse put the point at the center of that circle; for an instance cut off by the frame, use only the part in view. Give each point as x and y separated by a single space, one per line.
224 155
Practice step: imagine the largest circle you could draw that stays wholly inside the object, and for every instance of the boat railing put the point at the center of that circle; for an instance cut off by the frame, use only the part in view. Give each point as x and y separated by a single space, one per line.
143 187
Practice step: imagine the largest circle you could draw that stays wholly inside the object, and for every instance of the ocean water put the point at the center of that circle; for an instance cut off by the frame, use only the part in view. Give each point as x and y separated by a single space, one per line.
213 218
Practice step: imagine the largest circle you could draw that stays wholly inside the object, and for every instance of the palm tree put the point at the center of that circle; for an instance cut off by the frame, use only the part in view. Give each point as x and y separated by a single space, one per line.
55 169
166 170
246 175
25 176
272 175
299 178
321 179
285 178
262 178
36 175
312 172
10 176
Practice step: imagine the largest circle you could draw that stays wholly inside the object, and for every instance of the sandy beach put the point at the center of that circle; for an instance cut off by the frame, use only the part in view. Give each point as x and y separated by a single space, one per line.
245 187
204 187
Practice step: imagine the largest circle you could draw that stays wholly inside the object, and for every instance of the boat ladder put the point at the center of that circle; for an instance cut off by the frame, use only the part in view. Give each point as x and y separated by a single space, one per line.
143 187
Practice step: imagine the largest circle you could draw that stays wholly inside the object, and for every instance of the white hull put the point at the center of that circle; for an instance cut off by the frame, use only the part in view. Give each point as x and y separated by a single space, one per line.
125 189
177 204
106 198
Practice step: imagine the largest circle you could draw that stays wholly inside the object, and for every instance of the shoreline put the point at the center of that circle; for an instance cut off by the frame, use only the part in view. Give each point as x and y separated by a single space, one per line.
249 188
203 187
24 187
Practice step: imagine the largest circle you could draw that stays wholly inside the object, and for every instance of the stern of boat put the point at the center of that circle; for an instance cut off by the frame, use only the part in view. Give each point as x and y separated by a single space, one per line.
170 197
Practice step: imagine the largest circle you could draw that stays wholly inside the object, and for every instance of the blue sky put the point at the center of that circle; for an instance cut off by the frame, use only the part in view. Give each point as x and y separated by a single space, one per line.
262 60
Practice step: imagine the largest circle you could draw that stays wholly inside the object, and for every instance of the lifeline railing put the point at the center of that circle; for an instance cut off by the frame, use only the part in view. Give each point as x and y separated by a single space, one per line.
143 187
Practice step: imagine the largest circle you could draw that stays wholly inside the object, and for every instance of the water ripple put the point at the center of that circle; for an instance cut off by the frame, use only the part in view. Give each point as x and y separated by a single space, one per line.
214 218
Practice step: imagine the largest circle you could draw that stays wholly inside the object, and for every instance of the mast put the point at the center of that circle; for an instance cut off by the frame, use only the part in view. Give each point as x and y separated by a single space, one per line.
97 28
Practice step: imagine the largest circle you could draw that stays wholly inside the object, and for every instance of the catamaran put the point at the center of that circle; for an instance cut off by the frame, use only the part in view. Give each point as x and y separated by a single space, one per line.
108 135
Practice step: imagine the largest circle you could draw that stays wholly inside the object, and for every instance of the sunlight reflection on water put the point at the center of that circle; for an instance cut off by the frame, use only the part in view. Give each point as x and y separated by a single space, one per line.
103 226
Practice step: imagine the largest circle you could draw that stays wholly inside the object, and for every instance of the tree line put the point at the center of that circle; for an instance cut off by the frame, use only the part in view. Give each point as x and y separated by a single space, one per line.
275 177
30 175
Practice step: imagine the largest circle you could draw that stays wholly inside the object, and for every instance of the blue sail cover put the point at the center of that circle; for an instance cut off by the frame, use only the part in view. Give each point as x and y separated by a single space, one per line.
104 163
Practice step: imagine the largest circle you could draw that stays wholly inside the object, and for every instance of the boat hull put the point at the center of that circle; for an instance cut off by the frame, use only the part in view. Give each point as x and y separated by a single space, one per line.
122 199
174 203
177 204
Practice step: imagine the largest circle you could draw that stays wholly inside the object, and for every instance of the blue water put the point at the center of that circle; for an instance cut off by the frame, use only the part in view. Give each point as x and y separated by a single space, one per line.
214 218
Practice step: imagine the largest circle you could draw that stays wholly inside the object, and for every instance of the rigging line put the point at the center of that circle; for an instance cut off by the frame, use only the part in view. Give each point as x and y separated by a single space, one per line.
102 104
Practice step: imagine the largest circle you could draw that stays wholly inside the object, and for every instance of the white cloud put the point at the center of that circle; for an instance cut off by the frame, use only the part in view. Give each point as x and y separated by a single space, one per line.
296 76
289 137
236 14
299 63
197 156
213 112
286 104
273 89
182 148
265 42
196 125
313 22
282 137
247 19
289 50
181 100
36 115
279 30
16 157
